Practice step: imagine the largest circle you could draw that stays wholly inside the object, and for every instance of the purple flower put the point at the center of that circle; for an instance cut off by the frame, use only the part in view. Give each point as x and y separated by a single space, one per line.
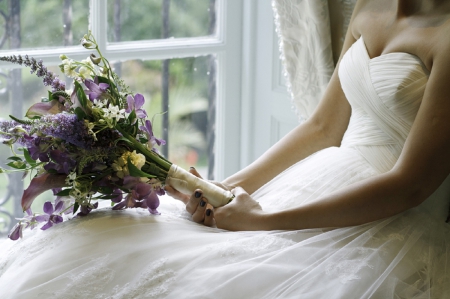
67 127
148 130
51 215
142 196
16 232
48 77
95 90
135 104
85 210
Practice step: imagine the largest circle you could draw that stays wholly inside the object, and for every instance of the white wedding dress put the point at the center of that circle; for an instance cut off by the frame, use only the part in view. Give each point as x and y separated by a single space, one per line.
130 254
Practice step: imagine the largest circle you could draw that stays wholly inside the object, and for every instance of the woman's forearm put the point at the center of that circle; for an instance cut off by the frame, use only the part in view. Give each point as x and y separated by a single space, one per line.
373 199
301 142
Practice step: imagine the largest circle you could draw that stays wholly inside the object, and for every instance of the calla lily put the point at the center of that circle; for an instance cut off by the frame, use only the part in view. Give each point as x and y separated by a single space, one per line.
45 108
40 184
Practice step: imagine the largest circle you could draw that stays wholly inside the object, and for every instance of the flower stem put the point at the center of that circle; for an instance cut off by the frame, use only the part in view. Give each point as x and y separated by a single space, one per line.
154 157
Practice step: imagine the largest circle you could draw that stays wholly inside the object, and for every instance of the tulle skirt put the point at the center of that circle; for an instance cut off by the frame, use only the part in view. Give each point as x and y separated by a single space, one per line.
131 254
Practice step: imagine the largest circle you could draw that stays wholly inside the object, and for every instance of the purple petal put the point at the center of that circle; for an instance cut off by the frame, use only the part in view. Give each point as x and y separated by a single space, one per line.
152 202
59 206
45 108
142 190
139 100
16 232
148 126
56 219
130 104
40 184
130 182
140 113
48 208
119 196
42 218
47 225
103 86
29 212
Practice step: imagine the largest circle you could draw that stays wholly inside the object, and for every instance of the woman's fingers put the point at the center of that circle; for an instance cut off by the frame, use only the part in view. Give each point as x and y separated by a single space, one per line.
194 172
209 216
199 214
194 201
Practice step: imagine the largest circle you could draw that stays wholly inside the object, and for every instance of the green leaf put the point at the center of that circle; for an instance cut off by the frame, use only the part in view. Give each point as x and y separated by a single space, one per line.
80 94
75 207
65 192
27 156
14 158
136 172
17 165
132 118
80 113
105 80
105 190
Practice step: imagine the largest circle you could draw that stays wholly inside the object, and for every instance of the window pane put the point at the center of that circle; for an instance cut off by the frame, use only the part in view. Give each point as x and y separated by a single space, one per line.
188 106
133 20
50 23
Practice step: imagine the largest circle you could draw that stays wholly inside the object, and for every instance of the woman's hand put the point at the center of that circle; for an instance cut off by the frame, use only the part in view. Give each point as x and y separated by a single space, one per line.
243 213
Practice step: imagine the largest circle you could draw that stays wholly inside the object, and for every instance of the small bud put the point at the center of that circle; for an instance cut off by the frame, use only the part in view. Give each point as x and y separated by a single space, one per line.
63 56
94 59
87 44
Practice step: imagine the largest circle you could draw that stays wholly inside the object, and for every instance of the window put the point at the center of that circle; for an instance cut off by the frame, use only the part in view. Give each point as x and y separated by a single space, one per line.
182 55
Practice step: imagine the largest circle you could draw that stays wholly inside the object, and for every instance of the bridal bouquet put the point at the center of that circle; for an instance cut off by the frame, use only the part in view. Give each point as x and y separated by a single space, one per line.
91 143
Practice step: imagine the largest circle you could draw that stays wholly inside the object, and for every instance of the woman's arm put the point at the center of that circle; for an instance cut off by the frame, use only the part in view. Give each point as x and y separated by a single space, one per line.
325 128
423 165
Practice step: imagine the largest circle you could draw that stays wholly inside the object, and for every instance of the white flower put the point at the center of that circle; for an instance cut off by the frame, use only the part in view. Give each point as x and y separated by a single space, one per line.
69 68
85 72
99 103
114 112
138 160
70 179
88 62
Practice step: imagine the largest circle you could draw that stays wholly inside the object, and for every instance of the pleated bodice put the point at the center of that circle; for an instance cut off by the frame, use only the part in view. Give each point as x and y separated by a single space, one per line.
385 94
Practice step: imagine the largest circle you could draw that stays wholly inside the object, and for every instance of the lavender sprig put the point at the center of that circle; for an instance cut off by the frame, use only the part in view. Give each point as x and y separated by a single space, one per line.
48 77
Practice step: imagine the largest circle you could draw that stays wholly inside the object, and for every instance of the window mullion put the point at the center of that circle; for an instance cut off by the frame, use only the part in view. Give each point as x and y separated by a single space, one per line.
98 23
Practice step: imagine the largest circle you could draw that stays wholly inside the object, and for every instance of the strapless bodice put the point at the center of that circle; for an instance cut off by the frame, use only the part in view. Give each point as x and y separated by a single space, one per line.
385 94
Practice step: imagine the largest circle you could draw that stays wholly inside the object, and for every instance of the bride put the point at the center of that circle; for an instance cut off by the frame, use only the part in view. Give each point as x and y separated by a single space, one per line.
351 204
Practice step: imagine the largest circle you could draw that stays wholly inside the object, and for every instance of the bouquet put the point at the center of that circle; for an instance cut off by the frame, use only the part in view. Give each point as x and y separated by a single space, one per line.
91 143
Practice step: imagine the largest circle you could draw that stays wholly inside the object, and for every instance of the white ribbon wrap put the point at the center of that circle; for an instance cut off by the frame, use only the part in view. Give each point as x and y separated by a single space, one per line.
187 183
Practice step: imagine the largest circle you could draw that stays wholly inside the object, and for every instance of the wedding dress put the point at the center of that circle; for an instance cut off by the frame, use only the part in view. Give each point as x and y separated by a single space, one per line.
130 254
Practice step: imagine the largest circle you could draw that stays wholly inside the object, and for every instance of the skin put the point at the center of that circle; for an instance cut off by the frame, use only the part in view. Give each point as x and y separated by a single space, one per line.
418 27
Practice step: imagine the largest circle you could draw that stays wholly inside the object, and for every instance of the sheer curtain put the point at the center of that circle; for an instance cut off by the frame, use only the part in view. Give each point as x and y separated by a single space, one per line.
310 33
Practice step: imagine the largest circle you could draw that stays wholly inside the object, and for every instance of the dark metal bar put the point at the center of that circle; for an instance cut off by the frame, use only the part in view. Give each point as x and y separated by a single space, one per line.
211 117
67 22
165 79
117 33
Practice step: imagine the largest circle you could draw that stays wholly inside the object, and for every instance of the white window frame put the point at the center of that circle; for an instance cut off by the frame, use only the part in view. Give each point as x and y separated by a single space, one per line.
226 45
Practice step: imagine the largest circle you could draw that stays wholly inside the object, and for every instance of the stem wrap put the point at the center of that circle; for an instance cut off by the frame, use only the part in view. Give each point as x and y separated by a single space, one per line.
187 183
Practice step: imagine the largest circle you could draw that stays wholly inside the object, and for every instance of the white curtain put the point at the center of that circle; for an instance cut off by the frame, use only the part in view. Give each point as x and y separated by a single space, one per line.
310 33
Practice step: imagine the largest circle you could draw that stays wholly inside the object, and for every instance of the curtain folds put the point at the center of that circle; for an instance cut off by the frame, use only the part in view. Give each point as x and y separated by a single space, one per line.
310 34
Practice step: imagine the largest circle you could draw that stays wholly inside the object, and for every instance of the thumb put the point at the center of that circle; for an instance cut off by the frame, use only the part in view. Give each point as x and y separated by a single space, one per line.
238 191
